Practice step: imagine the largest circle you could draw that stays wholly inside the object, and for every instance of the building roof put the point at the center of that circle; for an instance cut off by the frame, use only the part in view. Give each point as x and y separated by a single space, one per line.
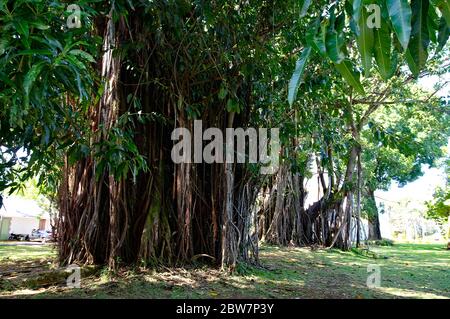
19 207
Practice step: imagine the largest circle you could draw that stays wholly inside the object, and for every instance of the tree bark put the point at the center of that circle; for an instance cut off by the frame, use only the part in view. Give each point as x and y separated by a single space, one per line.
373 220
358 203
448 233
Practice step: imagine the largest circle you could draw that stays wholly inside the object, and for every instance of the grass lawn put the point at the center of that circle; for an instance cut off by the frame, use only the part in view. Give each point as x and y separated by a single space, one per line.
28 252
407 271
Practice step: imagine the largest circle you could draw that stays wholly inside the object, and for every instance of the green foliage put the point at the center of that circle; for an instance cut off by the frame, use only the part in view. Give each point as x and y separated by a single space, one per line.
402 137
45 85
348 72
417 54
366 42
383 242
400 14
49 83
296 77
118 154
414 24
439 207
304 7
383 56
444 33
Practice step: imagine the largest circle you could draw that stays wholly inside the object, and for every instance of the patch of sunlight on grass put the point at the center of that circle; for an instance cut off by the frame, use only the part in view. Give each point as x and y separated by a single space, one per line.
14 253
407 293
27 292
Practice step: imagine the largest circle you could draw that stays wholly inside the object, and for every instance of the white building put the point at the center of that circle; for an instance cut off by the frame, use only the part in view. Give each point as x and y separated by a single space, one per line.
21 216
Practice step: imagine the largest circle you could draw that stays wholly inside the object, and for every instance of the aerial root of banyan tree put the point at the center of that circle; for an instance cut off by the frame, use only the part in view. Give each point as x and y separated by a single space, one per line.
331 221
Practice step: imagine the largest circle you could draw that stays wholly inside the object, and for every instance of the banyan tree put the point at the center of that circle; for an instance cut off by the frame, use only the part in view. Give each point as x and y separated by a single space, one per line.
163 66
95 90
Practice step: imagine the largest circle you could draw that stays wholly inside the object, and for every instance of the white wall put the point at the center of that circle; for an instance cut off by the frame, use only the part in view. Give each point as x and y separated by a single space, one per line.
20 225
47 224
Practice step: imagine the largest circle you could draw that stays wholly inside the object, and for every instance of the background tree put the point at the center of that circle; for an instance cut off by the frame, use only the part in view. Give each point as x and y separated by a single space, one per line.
408 131
439 207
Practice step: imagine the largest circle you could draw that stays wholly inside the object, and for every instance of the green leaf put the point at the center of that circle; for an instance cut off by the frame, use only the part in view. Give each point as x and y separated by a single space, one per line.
365 42
30 78
317 40
357 8
22 27
6 80
420 38
350 75
340 22
444 33
130 3
444 7
311 34
296 77
382 48
83 55
400 14
54 44
433 24
412 64
73 60
223 92
233 106
320 39
304 6
39 25
35 52
334 43
3 45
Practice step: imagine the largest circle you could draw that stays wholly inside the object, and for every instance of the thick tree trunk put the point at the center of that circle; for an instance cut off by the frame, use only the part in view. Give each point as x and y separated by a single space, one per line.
373 220
228 244
286 215
358 203
326 222
277 231
299 218
342 238
448 233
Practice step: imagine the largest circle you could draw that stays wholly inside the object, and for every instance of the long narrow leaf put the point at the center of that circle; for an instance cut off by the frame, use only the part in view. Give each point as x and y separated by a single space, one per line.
382 49
400 14
420 37
304 6
357 8
350 75
296 77
444 7
334 43
365 42
30 78
444 33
